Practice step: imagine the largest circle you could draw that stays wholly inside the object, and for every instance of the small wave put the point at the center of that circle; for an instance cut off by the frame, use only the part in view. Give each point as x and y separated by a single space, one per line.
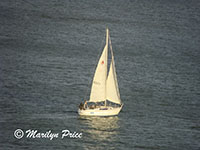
195 127
147 147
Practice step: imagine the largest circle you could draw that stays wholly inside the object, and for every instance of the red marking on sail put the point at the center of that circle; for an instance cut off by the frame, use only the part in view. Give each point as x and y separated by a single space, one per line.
102 62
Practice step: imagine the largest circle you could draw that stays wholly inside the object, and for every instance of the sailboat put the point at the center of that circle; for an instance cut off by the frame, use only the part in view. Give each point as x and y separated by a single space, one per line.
104 96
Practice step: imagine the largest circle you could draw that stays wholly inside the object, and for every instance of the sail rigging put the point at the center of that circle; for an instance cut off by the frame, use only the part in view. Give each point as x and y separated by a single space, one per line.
105 87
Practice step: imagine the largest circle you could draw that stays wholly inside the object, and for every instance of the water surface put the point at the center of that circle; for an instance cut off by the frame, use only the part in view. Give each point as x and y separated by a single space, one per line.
48 53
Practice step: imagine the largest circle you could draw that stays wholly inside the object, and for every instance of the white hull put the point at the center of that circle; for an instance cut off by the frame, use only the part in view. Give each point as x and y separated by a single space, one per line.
103 111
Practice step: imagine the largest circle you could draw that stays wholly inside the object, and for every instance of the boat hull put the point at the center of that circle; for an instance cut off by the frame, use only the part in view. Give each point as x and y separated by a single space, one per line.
103 111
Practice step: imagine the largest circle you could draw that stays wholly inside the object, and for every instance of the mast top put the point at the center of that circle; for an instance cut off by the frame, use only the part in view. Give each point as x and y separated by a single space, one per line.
107 35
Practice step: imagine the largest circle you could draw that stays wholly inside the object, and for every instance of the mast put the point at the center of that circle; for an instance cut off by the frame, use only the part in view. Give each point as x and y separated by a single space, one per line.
107 43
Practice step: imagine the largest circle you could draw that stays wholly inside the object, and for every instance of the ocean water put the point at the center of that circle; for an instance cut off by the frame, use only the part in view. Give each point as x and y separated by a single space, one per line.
48 53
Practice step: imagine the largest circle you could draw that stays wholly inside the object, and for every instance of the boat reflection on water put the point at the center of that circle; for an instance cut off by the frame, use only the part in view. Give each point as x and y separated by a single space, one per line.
99 130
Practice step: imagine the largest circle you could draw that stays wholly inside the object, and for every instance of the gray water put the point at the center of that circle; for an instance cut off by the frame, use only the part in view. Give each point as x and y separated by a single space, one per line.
48 51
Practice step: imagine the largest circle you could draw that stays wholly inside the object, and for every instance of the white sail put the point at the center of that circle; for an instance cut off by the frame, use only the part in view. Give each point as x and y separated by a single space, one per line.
98 90
104 87
112 90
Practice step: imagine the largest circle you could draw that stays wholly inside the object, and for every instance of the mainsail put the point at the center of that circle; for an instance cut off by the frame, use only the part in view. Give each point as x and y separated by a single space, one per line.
105 87
98 90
